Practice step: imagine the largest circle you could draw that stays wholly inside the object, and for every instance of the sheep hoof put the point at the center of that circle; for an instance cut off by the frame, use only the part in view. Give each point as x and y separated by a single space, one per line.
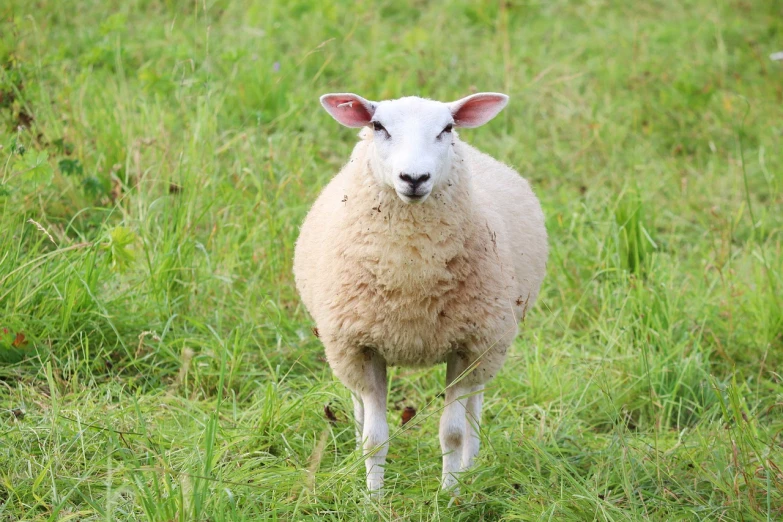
449 483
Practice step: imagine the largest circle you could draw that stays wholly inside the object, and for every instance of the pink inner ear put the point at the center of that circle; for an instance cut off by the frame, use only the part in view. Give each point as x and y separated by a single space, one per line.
478 111
348 110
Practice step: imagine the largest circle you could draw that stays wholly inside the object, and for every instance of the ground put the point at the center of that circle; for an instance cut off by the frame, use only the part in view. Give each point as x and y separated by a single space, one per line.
158 157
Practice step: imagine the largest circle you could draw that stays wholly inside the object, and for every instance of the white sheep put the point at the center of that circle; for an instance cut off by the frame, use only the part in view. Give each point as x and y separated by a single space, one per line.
422 250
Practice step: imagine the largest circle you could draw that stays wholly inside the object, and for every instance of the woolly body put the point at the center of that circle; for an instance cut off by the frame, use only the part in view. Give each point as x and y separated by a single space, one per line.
414 283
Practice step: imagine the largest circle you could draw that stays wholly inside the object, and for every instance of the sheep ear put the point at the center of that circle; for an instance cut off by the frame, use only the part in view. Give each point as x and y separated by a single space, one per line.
349 109
477 109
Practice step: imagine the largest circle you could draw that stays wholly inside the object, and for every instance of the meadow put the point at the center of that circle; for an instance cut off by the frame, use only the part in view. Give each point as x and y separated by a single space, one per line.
158 156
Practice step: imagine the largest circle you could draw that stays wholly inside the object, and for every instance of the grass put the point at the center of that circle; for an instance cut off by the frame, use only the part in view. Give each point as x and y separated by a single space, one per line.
158 156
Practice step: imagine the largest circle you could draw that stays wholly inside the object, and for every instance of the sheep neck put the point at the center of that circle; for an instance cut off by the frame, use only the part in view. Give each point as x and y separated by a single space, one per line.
410 248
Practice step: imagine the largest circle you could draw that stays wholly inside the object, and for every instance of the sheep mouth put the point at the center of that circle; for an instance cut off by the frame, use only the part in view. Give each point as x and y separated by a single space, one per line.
413 197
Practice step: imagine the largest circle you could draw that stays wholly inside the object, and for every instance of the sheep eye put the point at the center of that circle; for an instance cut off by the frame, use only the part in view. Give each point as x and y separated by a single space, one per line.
377 127
446 130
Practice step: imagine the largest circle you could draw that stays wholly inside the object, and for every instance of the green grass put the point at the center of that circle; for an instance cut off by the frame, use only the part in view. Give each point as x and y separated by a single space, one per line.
157 158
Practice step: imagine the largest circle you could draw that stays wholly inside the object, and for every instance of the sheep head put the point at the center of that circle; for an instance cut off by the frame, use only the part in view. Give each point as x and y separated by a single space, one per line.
412 137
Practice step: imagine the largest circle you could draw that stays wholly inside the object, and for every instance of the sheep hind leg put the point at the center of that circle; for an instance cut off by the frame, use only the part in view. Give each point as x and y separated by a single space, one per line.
453 424
358 416
473 421
375 429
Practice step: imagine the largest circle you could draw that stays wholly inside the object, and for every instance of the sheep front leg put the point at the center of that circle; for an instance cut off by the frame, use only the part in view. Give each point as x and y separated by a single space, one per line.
453 422
375 432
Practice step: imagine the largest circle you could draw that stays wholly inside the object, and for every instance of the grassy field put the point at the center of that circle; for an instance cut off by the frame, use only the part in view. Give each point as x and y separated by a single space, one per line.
158 157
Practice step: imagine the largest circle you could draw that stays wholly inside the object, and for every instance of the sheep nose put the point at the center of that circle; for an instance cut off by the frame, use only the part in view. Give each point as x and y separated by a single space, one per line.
414 180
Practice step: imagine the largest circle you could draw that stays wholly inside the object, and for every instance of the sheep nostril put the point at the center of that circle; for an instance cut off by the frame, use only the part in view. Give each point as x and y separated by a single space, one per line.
414 179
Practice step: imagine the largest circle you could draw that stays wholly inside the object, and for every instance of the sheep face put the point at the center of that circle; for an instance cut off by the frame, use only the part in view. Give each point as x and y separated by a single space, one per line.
412 137
413 146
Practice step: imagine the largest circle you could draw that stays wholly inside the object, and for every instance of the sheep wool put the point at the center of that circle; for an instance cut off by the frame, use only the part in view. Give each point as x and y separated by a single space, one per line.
414 283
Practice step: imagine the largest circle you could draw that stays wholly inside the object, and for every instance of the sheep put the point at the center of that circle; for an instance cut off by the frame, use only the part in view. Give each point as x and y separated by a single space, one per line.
422 250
